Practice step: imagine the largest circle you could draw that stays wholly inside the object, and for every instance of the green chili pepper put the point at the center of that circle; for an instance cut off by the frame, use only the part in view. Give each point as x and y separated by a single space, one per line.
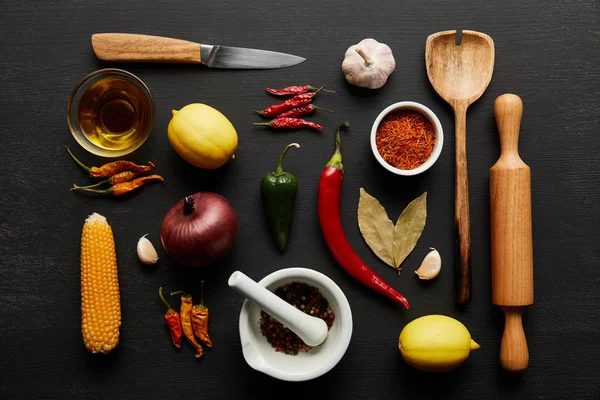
278 190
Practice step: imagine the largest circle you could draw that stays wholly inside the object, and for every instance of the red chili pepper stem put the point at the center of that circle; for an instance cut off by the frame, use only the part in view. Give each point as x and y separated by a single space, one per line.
102 182
319 89
181 292
319 108
85 189
170 309
201 306
314 89
336 159
86 168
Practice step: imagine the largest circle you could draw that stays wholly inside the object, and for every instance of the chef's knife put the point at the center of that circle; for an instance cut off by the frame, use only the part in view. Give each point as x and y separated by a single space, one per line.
127 47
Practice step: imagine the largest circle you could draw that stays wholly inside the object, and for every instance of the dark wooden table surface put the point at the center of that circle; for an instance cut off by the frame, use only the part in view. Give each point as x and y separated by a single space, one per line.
546 51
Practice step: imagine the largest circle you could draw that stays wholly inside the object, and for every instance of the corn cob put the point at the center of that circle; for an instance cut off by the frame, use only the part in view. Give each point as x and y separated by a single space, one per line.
100 301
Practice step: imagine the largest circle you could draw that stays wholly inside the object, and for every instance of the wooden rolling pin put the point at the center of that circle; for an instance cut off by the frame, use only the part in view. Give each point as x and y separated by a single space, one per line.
512 258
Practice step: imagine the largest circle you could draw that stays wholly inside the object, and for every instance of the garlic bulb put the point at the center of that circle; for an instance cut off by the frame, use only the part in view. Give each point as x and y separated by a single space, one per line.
368 64
431 265
146 251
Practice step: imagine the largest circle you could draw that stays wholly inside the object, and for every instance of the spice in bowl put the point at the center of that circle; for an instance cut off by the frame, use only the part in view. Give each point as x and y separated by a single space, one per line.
405 139
305 298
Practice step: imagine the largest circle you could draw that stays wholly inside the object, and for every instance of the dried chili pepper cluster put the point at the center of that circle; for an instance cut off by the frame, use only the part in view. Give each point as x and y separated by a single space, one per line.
121 175
305 298
288 114
191 321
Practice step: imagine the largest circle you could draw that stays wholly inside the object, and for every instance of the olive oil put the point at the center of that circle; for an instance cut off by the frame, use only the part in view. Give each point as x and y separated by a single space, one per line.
114 113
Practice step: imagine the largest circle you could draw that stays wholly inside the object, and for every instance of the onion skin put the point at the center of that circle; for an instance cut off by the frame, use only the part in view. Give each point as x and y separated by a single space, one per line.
202 236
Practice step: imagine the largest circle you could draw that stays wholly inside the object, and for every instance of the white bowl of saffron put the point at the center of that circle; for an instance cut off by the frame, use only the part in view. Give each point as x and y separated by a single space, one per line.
407 138
259 353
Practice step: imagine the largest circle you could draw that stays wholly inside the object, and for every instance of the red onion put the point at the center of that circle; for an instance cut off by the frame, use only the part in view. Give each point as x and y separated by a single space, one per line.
199 230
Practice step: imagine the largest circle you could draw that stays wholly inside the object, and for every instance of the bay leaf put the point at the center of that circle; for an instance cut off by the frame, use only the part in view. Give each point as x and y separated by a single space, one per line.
408 229
376 227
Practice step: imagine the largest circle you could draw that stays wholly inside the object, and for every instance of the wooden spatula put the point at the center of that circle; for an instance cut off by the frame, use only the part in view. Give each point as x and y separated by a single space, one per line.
510 212
460 74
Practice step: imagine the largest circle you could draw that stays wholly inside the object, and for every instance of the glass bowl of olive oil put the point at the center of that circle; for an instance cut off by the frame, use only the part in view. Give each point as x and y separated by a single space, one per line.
111 112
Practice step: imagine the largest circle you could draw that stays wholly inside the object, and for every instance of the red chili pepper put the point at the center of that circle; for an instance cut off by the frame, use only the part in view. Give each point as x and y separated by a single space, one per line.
289 123
303 111
330 188
295 90
173 321
296 101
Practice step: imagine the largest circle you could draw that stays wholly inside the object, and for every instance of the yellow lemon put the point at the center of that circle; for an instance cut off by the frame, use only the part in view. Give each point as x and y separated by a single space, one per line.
435 343
203 136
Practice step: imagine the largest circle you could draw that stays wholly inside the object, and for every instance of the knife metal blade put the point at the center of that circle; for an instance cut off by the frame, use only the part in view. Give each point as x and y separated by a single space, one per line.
129 47
243 58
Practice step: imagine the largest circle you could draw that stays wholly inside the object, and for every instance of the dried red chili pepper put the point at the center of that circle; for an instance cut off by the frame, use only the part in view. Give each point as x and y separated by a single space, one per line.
173 321
289 123
186 321
124 187
303 111
112 168
200 319
295 90
124 176
296 101
330 189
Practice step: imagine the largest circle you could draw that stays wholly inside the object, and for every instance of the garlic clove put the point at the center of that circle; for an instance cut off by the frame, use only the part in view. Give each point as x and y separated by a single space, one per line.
431 265
146 251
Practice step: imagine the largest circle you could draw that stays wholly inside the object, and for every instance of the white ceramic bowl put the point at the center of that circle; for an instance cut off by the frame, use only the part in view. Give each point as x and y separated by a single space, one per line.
439 137
319 360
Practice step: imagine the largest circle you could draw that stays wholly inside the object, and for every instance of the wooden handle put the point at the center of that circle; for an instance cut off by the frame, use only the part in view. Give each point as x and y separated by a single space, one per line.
508 110
462 228
514 354
143 48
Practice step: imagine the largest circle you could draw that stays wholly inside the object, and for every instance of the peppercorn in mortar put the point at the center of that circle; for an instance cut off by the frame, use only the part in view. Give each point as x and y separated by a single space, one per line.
307 299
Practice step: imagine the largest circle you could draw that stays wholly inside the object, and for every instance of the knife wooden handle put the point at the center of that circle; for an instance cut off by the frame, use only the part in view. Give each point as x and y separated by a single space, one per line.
128 47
